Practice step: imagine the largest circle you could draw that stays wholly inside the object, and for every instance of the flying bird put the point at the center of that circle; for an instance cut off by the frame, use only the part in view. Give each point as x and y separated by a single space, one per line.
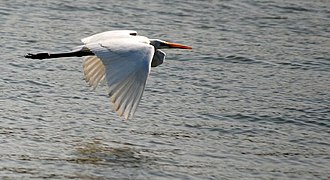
123 59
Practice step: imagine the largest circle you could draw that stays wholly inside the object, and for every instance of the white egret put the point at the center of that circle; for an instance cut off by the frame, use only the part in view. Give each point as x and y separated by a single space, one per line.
123 59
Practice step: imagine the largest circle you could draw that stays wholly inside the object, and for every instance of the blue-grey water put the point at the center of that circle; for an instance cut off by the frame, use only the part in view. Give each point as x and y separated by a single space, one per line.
250 101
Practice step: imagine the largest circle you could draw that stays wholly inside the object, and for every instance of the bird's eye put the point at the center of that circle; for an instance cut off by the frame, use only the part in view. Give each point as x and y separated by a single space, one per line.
133 34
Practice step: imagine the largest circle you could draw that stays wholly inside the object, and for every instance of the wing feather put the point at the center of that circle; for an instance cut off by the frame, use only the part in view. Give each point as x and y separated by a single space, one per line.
94 70
127 65
98 76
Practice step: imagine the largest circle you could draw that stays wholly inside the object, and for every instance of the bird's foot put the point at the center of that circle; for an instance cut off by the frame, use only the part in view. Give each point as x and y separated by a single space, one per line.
37 56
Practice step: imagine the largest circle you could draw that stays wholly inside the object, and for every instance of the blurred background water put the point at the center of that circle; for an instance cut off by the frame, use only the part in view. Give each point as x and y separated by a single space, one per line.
250 101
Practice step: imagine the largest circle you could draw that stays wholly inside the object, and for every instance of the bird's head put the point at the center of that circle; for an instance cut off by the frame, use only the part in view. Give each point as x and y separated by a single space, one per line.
160 44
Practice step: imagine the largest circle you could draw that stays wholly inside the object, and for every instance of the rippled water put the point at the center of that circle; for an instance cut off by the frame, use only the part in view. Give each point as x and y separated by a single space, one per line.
250 101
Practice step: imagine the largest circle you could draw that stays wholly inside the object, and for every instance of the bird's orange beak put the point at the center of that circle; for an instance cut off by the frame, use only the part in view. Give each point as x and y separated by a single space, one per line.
176 45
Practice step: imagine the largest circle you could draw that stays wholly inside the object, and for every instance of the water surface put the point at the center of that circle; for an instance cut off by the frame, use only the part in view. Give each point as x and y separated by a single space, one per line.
250 101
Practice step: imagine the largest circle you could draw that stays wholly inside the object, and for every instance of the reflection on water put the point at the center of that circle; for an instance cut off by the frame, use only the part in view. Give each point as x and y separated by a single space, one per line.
97 153
88 153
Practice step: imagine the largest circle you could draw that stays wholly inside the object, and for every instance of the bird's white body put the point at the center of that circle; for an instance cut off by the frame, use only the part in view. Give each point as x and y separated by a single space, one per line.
124 61
108 35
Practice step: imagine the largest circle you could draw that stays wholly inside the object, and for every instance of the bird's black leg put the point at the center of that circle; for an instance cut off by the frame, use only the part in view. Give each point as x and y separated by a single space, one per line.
59 55
37 56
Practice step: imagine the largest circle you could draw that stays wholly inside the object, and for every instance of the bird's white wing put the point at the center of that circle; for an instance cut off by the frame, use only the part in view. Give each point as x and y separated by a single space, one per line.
94 70
108 35
127 65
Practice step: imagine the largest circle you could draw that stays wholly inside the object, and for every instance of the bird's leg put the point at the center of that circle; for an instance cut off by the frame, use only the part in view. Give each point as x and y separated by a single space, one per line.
37 56
79 53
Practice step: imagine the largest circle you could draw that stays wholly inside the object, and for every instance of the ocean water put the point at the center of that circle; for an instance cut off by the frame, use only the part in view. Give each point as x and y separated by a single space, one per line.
250 101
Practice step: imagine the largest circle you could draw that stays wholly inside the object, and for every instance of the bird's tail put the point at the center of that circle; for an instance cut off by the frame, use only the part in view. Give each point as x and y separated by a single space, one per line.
79 53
